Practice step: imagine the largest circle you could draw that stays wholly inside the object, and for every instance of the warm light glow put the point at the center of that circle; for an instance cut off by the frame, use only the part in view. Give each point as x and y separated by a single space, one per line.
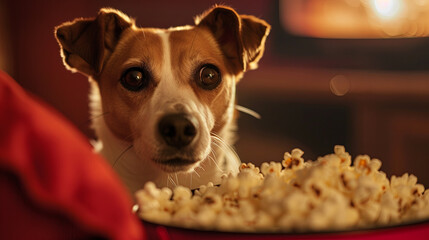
356 18
387 8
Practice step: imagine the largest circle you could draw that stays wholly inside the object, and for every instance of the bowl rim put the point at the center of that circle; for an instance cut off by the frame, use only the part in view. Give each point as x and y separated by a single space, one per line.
415 223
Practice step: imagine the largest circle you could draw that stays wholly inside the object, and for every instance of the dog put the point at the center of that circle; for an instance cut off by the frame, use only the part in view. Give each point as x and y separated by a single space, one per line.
162 101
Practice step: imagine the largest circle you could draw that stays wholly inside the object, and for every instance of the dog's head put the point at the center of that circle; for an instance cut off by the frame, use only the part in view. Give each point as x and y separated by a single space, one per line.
169 92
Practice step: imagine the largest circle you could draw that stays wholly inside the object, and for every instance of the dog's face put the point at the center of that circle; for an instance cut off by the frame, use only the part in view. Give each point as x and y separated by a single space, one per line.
168 92
174 90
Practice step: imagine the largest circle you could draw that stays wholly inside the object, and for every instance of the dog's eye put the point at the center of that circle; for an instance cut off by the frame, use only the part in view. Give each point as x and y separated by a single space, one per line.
209 77
135 79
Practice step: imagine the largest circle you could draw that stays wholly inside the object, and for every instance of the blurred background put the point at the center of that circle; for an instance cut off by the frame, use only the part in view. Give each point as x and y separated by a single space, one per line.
349 72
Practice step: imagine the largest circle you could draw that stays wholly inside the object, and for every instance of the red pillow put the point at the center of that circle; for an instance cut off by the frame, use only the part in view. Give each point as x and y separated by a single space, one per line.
52 185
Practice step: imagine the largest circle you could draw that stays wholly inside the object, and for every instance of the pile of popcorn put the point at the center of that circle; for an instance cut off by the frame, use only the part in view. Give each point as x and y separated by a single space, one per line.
294 195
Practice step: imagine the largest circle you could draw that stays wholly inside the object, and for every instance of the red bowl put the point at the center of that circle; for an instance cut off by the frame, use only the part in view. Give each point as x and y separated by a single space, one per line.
418 230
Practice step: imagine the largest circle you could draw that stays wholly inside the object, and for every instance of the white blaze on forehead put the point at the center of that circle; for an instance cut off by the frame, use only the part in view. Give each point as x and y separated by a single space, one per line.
167 89
166 71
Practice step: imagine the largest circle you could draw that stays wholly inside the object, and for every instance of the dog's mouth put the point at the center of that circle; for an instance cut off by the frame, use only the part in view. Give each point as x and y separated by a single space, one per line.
175 164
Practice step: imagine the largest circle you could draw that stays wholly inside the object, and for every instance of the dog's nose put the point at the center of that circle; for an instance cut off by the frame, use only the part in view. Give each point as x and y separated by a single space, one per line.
178 130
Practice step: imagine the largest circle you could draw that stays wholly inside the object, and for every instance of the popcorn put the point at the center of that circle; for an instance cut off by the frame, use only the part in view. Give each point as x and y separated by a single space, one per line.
330 193
271 168
294 159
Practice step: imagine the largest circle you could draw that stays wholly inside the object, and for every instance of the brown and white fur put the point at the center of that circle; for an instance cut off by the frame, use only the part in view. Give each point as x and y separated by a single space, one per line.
141 76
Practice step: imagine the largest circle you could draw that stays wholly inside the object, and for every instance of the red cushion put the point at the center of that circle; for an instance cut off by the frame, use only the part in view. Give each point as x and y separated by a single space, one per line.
52 185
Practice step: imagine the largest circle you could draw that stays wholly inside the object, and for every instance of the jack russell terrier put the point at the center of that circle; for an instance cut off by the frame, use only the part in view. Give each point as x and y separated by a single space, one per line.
162 101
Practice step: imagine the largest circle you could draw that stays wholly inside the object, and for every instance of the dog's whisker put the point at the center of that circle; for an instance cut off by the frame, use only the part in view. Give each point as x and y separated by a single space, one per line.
196 173
213 152
171 181
176 183
217 165
215 135
122 154
248 111
213 159
130 136
227 149
202 168
216 144
94 117
211 156
177 179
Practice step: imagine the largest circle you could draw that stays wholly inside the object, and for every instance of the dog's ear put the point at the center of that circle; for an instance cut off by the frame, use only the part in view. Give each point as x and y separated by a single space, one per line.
87 43
240 37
